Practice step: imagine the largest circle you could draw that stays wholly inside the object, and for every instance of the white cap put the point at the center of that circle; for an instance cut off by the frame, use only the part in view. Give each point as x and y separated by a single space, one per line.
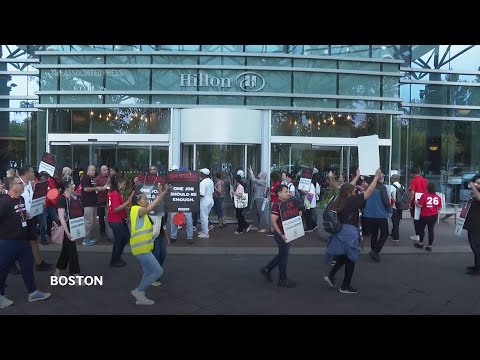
174 167
241 173
205 171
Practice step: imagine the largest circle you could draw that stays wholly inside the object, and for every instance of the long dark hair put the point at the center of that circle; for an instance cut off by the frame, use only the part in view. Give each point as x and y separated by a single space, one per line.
341 200
66 181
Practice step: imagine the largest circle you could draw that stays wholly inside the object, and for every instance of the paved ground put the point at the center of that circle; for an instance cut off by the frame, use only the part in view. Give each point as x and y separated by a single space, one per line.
422 283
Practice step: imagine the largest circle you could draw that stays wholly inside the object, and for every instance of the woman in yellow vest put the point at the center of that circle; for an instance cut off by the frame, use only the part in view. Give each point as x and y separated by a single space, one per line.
141 242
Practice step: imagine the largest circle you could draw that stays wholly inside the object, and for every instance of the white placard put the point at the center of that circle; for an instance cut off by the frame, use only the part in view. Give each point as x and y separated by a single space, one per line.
37 206
418 209
459 226
77 228
46 167
293 228
304 184
241 202
368 154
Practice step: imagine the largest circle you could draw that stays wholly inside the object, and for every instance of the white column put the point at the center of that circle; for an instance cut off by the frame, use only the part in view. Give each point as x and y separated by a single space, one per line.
265 149
175 146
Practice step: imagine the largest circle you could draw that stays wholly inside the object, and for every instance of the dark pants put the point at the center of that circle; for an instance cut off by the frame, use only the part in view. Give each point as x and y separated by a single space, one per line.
68 256
396 217
50 212
375 224
430 222
194 218
474 240
281 260
349 269
310 219
11 250
242 223
101 217
160 249
121 236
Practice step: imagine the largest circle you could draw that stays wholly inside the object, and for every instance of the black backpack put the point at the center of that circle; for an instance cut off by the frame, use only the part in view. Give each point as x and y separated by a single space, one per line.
331 221
401 198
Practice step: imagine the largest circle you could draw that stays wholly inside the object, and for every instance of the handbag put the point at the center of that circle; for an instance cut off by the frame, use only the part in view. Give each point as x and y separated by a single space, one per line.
57 233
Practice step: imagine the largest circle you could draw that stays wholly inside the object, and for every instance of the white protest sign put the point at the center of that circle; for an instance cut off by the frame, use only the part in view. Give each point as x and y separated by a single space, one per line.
77 228
368 154
418 209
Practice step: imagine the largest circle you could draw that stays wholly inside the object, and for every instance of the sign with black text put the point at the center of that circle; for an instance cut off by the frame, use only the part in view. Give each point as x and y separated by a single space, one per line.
306 179
184 194
76 220
148 184
39 196
47 163
291 220
463 216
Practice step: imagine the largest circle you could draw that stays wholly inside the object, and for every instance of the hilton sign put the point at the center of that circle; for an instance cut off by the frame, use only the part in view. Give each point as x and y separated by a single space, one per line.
247 81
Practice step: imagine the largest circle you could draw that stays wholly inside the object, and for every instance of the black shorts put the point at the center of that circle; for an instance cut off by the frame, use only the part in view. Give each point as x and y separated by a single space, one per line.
32 229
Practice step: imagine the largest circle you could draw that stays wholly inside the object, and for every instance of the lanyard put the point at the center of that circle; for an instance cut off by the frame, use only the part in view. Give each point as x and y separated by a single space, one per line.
20 207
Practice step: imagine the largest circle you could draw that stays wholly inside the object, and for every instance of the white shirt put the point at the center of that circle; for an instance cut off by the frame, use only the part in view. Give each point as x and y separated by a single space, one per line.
312 190
207 188
393 194
27 194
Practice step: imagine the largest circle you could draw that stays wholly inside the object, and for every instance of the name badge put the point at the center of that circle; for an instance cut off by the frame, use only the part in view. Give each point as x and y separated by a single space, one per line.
24 224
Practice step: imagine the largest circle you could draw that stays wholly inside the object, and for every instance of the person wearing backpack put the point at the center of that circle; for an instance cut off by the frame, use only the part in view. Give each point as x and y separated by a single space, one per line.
399 201
346 243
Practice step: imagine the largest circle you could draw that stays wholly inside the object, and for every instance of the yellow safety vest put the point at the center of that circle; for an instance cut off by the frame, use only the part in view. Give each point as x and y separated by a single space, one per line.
141 238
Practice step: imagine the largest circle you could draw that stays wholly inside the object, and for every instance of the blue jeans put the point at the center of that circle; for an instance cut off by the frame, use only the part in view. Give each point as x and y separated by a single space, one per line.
174 228
281 259
160 249
218 204
51 212
11 250
151 270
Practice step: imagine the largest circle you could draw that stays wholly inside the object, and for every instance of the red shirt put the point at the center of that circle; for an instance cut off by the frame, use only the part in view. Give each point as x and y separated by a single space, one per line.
276 211
274 198
115 199
418 185
430 204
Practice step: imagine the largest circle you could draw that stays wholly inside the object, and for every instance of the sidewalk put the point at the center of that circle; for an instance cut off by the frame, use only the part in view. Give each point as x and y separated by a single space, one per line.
223 241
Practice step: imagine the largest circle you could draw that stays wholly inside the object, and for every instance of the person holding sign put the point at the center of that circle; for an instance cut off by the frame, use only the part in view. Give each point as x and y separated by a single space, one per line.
68 255
239 193
142 242
280 260
14 244
472 225
345 244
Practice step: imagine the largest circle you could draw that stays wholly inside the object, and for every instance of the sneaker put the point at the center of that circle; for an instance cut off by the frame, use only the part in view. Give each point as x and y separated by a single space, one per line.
38 296
472 268
428 248
210 227
374 256
262 230
414 238
88 242
269 233
309 231
203 235
5 302
141 298
418 245
249 228
315 228
329 280
348 290
393 239
119 263
238 232
43 266
287 283
254 228
156 283
194 228
266 274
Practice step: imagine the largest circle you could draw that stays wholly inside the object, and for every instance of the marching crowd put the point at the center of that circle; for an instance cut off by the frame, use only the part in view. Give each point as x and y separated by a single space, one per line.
362 206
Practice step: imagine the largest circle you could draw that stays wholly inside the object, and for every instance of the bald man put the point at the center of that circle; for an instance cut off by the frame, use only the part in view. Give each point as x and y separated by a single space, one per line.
103 179
90 203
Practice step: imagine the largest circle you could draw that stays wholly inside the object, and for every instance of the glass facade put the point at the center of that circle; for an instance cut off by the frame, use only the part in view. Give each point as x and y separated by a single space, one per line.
424 100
